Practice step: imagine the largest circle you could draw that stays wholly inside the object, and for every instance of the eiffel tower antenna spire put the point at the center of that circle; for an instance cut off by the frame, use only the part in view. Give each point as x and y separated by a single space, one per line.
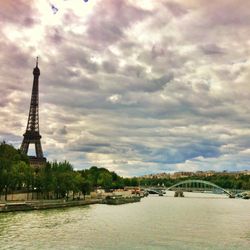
32 134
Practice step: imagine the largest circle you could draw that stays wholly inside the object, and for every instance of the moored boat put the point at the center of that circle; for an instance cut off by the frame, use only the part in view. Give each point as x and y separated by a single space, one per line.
119 200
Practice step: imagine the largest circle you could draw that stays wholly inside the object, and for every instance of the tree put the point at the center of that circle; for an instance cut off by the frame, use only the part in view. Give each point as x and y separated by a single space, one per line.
85 187
77 183
14 169
134 182
105 180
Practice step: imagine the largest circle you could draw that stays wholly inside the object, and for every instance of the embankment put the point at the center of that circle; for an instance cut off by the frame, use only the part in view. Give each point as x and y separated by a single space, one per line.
44 204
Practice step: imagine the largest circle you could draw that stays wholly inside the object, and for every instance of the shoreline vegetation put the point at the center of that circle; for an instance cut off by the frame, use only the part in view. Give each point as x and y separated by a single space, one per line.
58 184
56 180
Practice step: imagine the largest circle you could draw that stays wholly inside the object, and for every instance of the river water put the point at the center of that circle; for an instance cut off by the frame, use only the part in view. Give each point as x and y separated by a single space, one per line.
194 222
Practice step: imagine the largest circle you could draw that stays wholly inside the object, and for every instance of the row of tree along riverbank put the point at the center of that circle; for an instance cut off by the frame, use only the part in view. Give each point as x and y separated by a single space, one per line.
58 180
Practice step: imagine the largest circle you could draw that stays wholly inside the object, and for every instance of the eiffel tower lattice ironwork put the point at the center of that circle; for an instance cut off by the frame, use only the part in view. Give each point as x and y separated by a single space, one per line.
32 134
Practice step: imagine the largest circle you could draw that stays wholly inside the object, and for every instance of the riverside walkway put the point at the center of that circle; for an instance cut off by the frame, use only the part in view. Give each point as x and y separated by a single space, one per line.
44 204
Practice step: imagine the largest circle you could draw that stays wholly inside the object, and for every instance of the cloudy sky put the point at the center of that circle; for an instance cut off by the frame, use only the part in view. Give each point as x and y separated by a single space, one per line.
138 87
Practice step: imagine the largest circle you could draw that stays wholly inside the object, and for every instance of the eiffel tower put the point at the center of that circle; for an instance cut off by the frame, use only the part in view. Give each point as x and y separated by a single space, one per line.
32 134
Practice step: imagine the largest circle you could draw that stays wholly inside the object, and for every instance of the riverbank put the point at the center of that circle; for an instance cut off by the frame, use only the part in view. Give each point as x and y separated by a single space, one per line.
14 206
44 204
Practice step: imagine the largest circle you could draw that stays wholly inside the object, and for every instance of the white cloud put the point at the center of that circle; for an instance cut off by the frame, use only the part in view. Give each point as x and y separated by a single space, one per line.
137 87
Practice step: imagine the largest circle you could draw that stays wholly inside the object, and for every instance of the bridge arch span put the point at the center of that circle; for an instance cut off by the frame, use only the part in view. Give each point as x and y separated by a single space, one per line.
208 183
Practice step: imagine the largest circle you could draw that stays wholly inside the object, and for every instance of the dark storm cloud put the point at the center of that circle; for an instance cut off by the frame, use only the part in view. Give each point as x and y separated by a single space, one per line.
128 46
78 56
109 67
3 100
62 131
103 148
228 13
176 9
137 89
10 138
55 35
13 56
212 49
134 83
162 58
135 71
110 19
180 154
18 12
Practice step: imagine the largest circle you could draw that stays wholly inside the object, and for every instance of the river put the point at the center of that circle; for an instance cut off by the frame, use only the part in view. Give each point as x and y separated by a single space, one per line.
194 222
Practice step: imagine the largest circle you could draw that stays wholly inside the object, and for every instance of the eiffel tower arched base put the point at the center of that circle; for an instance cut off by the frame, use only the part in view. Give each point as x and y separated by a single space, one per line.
37 163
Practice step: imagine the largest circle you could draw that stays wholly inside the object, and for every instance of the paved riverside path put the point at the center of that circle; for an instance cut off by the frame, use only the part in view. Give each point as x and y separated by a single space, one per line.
44 204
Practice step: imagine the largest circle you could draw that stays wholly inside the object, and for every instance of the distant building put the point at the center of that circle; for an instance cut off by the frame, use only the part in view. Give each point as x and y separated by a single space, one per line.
182 174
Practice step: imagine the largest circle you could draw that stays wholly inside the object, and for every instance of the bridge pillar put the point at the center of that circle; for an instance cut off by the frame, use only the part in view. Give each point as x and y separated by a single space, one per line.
178 193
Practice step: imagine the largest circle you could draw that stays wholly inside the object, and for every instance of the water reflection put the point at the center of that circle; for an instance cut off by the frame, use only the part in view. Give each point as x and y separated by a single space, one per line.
154 223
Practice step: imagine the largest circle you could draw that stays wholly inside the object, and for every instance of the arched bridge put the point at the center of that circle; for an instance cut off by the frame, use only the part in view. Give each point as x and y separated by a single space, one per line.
189 185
